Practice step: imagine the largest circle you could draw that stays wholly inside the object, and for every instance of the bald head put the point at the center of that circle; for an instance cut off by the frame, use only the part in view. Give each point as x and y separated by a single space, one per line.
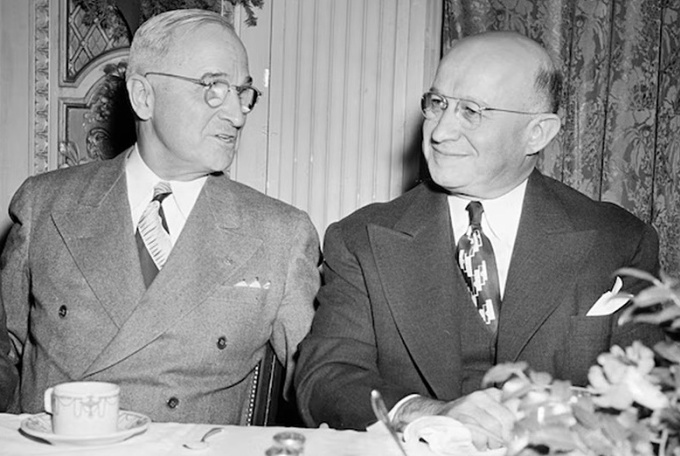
508 62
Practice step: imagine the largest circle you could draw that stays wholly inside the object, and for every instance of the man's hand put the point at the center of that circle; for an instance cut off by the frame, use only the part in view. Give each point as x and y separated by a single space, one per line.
489 421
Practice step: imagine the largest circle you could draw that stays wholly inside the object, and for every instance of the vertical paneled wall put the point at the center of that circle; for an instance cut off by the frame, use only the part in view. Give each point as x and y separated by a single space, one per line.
15 100
344 119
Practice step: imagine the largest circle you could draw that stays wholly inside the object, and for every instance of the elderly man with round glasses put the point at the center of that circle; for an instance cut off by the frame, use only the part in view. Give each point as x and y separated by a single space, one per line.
154 270
488 262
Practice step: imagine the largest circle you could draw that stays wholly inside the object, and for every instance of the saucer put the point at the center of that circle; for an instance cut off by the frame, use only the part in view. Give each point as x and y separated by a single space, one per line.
129 424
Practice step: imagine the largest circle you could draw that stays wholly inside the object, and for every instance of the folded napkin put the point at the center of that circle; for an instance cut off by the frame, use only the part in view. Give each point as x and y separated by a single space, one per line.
445 436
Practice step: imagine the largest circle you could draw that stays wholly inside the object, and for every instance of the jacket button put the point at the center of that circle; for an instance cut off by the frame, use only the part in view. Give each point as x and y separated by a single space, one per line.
173 402
63 311
222 343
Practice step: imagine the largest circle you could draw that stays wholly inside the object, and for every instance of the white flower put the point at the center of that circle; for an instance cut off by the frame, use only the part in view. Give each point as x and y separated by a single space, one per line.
622 378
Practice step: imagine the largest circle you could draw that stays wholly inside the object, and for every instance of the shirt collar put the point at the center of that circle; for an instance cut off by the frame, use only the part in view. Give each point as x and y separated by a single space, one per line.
501 215
142 180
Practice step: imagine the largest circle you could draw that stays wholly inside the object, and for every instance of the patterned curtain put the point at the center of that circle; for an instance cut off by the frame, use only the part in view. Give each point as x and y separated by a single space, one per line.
620 140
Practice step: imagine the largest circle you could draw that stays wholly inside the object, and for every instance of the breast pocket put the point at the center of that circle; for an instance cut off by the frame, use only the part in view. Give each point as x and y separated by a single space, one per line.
586 339
243 294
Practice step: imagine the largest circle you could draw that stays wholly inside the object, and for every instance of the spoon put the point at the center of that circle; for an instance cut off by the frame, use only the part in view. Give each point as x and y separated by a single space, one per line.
203 444
380 411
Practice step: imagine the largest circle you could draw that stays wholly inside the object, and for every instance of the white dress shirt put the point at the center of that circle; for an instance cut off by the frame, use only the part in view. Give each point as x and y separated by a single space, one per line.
141 181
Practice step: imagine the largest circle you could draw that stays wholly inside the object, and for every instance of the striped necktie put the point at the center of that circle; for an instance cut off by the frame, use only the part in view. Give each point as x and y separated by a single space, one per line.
153 235
478 263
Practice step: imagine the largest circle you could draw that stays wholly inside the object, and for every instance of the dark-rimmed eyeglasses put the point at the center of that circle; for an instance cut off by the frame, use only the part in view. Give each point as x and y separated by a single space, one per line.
433 105
216 90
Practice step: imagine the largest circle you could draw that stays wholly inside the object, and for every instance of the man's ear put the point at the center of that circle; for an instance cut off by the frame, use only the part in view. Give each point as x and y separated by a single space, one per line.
141 96
542 129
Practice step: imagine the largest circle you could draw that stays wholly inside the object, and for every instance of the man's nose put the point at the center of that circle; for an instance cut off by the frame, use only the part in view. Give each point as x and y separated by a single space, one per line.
231 110
448 126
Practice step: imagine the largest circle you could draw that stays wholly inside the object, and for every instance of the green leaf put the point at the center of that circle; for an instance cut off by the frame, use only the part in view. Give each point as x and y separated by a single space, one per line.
556 438
596 441
668 350
586 418
502 372
612 428
540 378
638 274
627 315
665 278
664 377
516 387
653 295
671 417
668 313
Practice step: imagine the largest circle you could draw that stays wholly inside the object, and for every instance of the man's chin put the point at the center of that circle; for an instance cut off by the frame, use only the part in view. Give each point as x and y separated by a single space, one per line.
222 162
451 184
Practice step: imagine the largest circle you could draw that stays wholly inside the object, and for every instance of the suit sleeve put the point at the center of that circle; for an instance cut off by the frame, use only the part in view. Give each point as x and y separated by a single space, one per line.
338 360
8 373
297 307
14 295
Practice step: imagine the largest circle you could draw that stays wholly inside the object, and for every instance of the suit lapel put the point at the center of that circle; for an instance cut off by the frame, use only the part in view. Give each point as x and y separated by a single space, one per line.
210 248
415 265
98 234
539 279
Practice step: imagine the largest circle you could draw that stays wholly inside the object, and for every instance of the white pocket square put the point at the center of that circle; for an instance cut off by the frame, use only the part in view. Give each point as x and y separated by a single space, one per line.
610 301
255 283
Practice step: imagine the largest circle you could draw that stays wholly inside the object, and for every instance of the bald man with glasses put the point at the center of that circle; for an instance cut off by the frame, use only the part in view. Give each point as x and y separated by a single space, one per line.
488 262
154 270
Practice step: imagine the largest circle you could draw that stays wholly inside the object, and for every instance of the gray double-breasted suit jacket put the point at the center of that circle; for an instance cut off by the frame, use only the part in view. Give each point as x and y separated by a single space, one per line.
243 272
394 306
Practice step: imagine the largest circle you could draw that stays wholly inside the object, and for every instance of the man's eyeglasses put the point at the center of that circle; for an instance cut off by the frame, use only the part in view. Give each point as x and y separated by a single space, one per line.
470 113
216 90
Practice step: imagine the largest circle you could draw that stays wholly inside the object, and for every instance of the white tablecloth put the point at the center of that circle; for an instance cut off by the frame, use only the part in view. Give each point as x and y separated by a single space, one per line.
165 439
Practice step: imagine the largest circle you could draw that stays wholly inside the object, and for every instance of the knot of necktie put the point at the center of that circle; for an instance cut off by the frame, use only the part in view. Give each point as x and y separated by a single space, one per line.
475 210
161 191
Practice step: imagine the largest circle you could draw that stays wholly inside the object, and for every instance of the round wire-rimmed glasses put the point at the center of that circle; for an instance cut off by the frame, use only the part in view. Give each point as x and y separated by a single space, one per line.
433 105
217 89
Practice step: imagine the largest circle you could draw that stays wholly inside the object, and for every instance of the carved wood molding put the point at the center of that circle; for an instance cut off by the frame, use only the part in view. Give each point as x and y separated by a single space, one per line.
41 102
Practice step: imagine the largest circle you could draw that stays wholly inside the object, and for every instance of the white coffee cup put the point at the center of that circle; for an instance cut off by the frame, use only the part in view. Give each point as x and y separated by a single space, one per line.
83 408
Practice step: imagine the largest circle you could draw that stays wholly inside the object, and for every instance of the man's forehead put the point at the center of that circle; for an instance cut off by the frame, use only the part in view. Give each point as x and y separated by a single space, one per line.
484 64
207 36
215 52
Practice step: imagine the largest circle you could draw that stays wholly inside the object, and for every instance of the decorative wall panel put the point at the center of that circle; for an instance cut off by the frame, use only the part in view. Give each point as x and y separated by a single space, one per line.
95 121
41 69
87 40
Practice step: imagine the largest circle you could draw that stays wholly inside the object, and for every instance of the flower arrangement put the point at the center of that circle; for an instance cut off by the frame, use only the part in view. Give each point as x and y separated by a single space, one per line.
631 405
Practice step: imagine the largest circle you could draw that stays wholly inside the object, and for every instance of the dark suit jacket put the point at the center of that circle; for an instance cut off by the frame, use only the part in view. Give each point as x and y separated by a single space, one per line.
389 315
243 272
8 375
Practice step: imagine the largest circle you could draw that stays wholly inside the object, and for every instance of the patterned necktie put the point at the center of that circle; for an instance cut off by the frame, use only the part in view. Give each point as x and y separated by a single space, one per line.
153 235
478 263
